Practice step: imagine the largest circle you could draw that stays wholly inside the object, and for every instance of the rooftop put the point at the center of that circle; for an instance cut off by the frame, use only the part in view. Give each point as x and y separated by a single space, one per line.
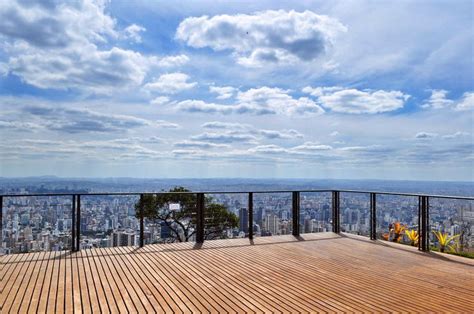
323 272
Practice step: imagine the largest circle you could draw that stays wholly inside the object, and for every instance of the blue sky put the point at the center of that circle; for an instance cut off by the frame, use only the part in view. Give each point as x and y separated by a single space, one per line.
267 89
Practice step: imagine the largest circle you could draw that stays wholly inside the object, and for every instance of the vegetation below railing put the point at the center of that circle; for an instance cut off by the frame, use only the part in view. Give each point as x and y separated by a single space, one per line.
458 253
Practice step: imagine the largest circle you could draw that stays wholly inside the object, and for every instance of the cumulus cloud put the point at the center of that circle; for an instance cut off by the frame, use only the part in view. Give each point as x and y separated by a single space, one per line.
285 134
259 101
277 100
87 69
133 31
439 100
357 101
200 106
171 83
56 25
223 92
70 45
224 125
311 147
267 37
173 61
160 100
225 137
425 135
466 102
199 144
268 149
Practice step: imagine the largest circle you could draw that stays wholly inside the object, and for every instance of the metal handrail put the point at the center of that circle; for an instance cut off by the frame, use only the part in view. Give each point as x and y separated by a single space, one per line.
469 198
423 209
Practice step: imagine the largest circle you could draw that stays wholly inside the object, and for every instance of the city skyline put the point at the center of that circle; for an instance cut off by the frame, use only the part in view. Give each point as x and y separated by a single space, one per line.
241 89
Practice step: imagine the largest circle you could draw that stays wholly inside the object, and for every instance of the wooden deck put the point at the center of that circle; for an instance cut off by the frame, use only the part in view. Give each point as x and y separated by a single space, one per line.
315 273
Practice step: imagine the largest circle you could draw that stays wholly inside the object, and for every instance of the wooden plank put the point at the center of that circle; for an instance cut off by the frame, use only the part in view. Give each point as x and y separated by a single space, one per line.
45 296
320 273
90 284
144 298
134 299
18 286
76 286
103 298
26 291
112 291
68 284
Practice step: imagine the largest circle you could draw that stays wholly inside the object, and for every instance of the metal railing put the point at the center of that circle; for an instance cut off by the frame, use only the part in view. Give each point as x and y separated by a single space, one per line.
423 210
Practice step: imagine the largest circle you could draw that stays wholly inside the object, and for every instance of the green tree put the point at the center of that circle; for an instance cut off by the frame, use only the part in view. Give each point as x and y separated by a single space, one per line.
182 222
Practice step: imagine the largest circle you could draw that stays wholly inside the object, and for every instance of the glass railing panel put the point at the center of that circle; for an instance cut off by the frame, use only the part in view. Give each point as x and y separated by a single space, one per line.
397 219
354 211
272 214
451 226
315 212
33 224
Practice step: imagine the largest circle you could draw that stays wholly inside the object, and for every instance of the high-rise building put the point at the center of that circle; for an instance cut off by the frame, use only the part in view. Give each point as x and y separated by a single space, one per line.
123 238
244 220
271 223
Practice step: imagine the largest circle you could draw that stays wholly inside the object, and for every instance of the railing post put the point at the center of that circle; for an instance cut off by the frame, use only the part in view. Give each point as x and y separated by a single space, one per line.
73 227
78 223
250 213
373 216
296 213
335 212
200 218
142 231
427 224
423 219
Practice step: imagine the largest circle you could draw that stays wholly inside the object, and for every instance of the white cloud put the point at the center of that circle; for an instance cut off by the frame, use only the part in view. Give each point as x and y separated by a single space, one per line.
223 92
133 32
200 106
466 102
57 45
86 69
439 100
171 83
225 137
199 144
455 135
268 149
276 100
173 61
425 135
166 124
285 134
311 147
259 101
224 125
279 37
56 25
160 100
357 101
62 119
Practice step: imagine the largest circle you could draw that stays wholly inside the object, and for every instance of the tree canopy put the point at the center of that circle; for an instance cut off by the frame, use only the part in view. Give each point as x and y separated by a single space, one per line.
182 222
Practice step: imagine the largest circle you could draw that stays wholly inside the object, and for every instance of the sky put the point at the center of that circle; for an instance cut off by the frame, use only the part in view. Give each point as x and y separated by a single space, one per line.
257 89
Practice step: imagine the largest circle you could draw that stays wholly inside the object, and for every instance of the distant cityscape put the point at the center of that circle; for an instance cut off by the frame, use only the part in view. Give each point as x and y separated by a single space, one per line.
32 224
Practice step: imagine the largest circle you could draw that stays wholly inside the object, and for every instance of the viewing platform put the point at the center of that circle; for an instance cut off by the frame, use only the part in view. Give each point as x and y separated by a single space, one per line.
319 272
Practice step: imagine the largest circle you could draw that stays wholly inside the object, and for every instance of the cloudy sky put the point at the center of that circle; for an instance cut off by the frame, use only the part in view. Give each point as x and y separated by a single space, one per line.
267 89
